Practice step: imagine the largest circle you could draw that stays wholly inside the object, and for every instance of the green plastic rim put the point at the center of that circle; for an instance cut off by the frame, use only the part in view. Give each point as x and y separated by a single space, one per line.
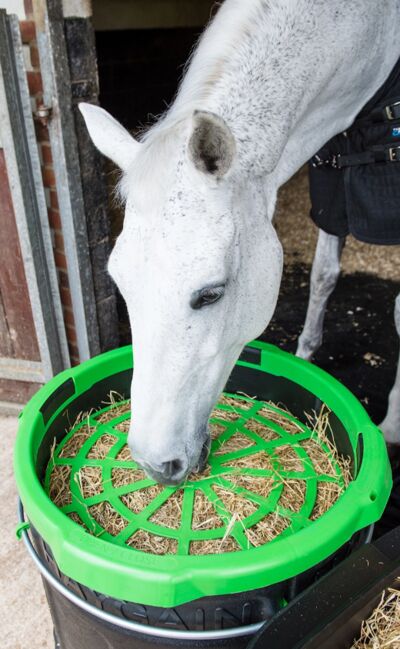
106 564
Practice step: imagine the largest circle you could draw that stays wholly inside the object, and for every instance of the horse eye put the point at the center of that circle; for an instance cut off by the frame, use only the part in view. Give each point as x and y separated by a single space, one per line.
206 296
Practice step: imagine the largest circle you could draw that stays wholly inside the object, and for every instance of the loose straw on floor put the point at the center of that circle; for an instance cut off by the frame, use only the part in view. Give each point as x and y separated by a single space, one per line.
382 629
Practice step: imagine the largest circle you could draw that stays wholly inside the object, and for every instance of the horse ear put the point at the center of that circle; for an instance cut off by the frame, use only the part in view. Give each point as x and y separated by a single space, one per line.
212 146
111 139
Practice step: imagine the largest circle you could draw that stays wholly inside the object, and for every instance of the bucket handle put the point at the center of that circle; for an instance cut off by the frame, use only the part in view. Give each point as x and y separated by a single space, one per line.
22 532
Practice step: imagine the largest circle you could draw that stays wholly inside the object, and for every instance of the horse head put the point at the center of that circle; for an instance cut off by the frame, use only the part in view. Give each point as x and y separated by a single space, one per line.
199 266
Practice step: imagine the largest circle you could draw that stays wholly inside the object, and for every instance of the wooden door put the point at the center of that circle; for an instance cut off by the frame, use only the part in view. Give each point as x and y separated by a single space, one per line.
19 350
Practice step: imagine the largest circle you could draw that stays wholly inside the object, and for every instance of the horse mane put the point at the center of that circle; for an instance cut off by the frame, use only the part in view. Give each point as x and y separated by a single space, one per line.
210 56
217 50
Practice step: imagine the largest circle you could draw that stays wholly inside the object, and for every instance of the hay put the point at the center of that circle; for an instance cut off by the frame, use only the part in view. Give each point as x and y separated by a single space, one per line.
102 447
293 495
137 500
152 544
124 454
214 546
90 481
239 404
288 425
60 489
125 477
196 477
267 529
236 504
260 460
116 410
322 462
237 442
289 459
256 484
226 415
230 508
72 447
327 494
108 518
205 516
170 513
85 431
123 426
267 433
216 430
382 629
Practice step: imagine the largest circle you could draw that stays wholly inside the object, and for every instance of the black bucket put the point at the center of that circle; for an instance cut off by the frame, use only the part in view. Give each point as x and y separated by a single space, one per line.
86 619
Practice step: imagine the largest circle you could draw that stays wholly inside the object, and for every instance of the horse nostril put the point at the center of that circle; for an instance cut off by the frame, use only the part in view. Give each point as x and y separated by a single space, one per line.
172 468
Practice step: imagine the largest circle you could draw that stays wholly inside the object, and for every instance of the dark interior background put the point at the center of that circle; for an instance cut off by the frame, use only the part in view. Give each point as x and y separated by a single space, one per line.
139 70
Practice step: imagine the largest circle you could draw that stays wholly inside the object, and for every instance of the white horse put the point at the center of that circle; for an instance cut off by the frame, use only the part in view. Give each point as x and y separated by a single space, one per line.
324 276
198 261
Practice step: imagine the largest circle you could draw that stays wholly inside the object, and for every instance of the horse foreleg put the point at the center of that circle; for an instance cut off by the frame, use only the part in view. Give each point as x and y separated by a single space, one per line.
391 424
324 276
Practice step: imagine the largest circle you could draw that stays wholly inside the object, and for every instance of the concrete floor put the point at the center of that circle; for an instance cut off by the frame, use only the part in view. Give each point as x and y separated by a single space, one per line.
26 622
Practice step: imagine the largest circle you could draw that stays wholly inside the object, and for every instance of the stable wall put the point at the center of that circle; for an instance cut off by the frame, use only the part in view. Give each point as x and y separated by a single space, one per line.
149 14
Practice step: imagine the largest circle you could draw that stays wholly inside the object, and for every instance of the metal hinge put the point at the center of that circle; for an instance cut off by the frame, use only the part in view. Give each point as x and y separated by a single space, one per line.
43 114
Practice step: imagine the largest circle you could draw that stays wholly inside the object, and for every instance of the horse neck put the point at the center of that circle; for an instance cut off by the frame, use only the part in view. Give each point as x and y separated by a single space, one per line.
287 76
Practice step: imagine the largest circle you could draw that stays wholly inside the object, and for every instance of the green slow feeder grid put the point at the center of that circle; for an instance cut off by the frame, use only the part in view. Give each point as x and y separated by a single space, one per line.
220 475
